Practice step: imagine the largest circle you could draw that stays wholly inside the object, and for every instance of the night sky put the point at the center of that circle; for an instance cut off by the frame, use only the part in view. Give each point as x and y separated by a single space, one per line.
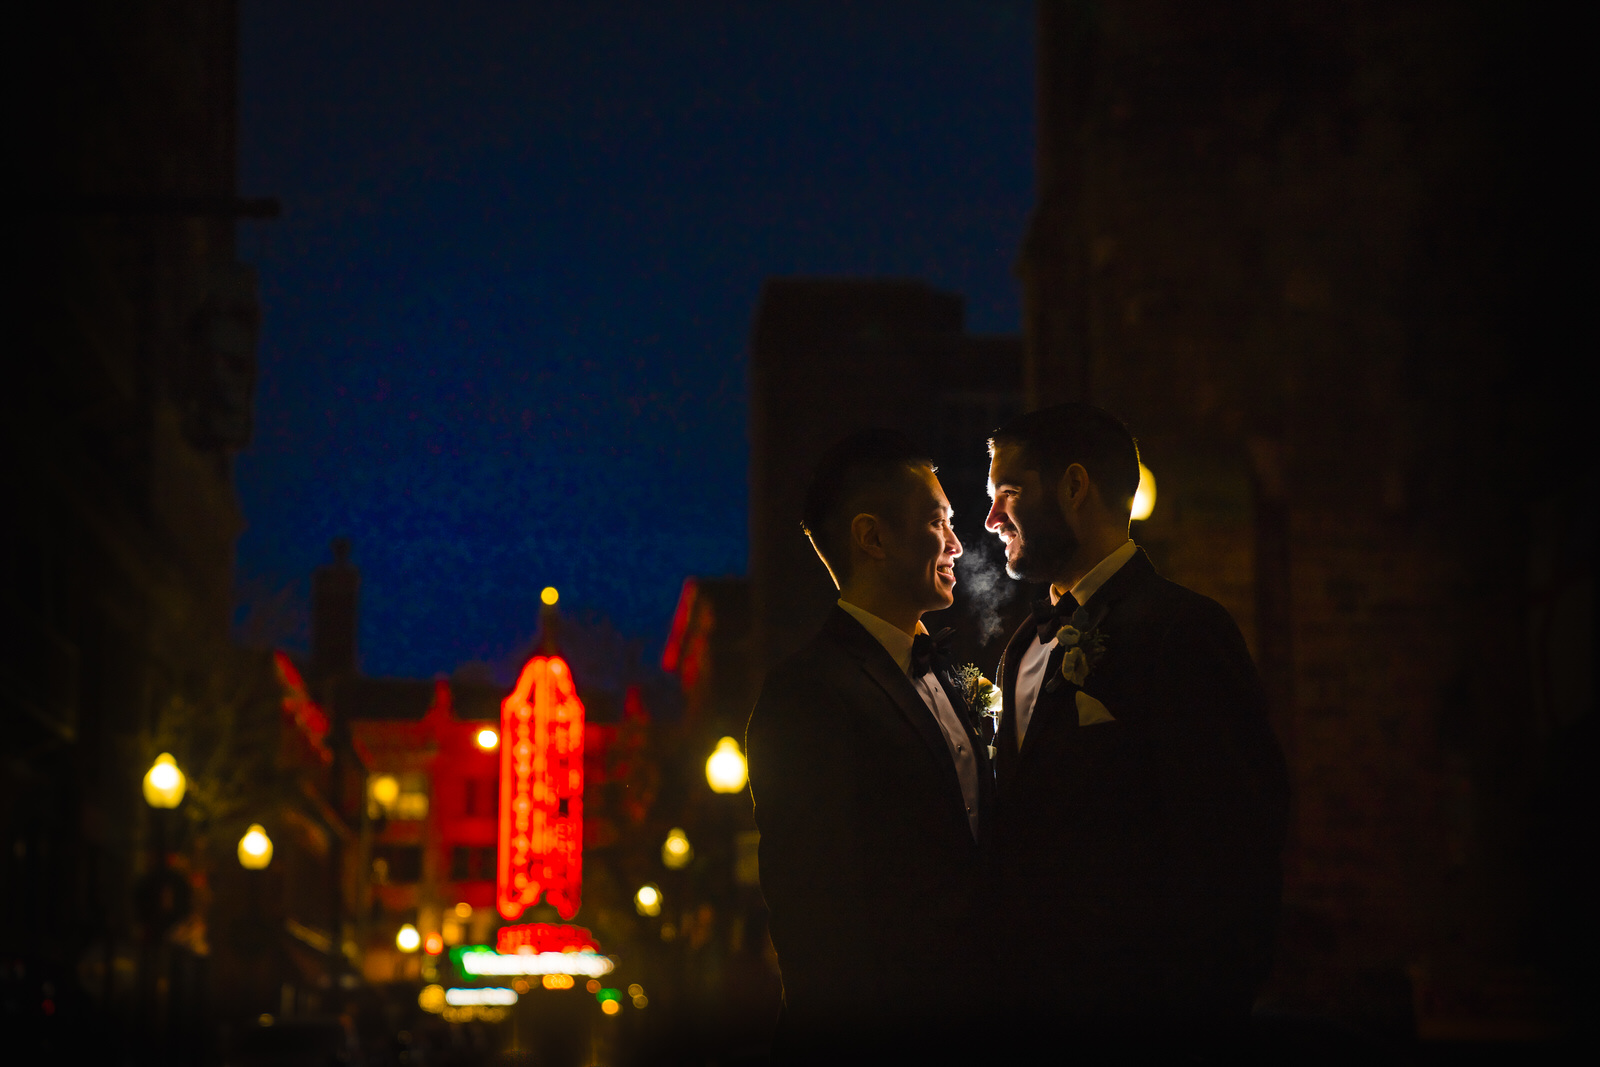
507 305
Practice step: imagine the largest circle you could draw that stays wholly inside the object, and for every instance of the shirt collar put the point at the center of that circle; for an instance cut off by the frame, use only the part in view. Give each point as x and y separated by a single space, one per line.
894 640
1090 583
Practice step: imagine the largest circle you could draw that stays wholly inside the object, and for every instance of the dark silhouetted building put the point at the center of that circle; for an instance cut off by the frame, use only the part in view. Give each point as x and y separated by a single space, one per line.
1313 253
829 356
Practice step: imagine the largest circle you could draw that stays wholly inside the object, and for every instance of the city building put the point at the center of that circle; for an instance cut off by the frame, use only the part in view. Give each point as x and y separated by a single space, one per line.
131 361
1295 248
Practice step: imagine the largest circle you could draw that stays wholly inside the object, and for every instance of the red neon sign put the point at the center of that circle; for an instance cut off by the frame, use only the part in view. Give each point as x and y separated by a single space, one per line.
544 937
541 791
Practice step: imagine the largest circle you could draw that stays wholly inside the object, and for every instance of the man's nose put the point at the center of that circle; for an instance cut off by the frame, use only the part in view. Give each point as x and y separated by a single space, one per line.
996 518
954 546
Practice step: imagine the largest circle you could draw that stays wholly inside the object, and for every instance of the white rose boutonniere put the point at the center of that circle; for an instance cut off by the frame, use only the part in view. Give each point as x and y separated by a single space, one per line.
1083 651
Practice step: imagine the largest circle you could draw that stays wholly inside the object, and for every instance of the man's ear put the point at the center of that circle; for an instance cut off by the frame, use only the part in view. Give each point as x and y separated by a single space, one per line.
1074 489
866 534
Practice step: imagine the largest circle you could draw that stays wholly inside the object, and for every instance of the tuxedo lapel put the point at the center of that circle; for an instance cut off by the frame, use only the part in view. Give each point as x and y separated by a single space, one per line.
1006 737
874 660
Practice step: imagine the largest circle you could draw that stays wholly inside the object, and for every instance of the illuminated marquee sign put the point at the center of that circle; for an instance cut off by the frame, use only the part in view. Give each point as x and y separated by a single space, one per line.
481 961
541 792
545 937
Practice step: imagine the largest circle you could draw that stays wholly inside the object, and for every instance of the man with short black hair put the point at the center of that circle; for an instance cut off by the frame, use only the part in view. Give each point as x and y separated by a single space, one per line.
871 781
1141 796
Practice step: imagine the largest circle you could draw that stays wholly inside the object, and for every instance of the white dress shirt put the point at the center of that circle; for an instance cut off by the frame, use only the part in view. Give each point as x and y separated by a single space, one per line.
1036 657
898 644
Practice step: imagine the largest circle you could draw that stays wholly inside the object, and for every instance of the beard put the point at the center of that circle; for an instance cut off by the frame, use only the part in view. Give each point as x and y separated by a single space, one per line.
1048 546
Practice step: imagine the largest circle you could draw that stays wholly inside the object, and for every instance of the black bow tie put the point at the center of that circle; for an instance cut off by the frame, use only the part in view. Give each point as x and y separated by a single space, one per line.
931 653
1050 618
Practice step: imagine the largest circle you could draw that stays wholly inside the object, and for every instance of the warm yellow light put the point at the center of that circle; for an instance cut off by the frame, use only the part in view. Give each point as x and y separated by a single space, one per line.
488 739
255 848
647 901
549 594
636 990
676 852
592 985
408 940
610 1007
725 770
164 783
558 981
1144 498
463 910
386 790
640 1001
431 999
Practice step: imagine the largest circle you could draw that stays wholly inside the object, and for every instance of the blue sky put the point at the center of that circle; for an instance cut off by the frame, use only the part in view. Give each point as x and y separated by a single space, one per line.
508 301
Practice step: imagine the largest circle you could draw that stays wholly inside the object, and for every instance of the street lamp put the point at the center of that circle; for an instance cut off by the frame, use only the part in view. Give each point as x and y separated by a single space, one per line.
255 848
1144 497
488 739
647 901
725 770
408 940
164 783
676 852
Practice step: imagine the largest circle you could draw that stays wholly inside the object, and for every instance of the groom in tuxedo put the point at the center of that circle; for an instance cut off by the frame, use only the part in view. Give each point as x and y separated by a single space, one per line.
871 781
1142 797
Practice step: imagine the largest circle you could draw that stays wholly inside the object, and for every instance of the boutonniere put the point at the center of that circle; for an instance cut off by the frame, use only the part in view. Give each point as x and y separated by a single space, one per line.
1084 648
981 695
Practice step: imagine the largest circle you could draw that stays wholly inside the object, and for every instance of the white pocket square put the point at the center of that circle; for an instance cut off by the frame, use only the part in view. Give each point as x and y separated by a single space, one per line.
1091 711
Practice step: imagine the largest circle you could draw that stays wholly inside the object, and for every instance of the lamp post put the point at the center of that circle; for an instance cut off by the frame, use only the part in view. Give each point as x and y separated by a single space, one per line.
255 848
725 769
164 783
1144 498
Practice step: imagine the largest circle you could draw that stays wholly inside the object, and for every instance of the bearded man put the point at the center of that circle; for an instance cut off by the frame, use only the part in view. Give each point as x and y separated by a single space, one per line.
1141 795
871 781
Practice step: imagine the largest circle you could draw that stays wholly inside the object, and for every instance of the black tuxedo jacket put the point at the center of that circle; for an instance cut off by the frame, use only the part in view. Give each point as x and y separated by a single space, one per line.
868 864
1138 860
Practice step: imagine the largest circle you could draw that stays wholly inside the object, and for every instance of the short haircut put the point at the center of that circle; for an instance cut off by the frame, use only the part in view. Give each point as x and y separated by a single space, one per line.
859 473
1054 438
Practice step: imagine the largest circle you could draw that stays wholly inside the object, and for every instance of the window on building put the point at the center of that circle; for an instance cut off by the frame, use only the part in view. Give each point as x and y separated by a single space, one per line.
397 864
398 796
472 863
472 796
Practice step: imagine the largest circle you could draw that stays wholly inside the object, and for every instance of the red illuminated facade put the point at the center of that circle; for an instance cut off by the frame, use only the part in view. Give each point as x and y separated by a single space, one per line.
541 792
544 937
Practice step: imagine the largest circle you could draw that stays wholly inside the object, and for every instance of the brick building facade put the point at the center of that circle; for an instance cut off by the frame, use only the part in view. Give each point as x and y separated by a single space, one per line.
1311 254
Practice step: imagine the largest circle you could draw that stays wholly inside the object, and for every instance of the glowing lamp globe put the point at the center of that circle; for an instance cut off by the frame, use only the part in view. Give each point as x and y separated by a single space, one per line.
255 848
408 940
676 852
386 790
164 783
433 944
549 596
647 901
1144 497
726 770
488 739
